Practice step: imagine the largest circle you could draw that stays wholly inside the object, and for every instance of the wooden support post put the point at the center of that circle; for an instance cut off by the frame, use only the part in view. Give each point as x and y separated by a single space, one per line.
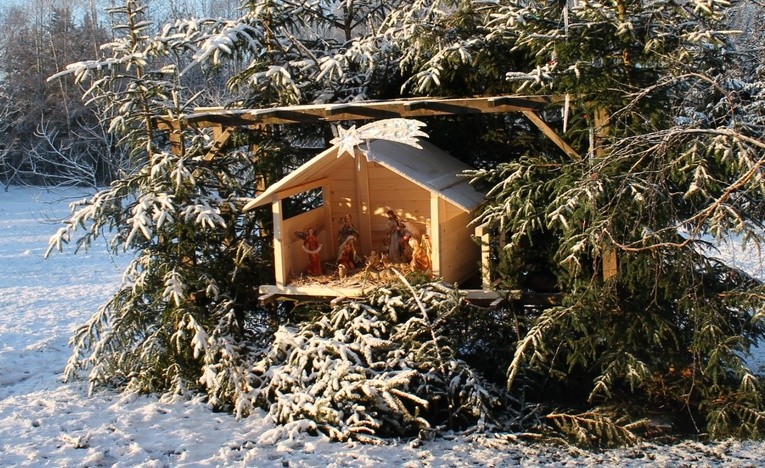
482 234
364 209
602 129
280 268
437 213
176 139
601 122
610 264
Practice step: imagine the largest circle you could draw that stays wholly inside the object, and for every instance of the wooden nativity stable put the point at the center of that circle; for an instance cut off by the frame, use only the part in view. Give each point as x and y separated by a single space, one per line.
363 181
363 184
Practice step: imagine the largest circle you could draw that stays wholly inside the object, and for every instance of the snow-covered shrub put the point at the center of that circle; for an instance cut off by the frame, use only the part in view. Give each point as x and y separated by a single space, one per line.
377 367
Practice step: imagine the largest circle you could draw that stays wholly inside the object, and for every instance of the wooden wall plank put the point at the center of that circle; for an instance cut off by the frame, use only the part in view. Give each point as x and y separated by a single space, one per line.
363 205
437 210
295 259
280 268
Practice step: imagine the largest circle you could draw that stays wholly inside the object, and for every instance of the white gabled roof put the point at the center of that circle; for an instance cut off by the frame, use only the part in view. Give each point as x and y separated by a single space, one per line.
429 167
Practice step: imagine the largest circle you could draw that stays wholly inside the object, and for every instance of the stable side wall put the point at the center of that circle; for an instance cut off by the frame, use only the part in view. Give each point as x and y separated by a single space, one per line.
459 253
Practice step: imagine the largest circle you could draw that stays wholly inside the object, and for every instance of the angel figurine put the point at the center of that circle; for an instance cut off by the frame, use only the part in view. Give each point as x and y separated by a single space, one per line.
312 247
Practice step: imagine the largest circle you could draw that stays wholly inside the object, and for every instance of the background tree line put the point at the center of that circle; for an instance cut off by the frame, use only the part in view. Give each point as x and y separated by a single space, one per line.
49 135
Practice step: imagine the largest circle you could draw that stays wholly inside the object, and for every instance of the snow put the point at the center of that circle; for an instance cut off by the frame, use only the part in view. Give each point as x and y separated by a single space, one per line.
44 422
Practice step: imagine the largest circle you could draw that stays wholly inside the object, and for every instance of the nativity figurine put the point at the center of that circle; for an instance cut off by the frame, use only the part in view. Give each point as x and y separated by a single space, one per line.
347 253
396 238
312 247
421 254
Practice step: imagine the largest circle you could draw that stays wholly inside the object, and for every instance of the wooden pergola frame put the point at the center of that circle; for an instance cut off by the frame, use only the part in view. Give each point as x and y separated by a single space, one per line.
224 123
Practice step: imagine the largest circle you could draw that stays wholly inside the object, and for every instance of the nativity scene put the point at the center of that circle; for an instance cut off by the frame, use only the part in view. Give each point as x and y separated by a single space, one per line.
385 200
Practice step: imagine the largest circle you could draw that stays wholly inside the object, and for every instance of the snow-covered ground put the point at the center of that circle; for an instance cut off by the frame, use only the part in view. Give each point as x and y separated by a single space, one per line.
46 422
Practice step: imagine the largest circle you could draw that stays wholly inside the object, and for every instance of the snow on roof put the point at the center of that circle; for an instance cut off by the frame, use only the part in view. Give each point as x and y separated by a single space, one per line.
429 167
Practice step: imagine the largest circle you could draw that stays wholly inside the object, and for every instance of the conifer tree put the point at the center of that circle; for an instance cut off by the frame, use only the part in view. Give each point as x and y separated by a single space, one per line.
185 318
671 153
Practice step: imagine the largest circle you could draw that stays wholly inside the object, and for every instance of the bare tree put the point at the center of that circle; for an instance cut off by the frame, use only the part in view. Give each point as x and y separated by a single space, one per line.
8 166
88 159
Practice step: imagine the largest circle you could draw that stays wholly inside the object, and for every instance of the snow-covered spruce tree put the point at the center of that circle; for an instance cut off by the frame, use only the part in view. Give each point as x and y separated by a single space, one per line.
378 367
672 155
309 51
185 317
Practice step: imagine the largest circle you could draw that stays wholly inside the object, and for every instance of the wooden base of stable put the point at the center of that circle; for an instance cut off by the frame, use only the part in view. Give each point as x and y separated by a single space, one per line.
335 294
270 293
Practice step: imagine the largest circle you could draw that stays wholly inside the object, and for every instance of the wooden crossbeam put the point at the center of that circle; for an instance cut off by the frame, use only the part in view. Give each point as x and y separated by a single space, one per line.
551 134
221 137
372 110
415 105
336 109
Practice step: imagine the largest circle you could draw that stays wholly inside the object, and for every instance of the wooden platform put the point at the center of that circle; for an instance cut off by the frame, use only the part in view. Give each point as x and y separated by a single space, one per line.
334 294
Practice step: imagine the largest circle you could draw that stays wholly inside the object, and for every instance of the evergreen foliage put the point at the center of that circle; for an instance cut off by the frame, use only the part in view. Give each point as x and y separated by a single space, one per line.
671 161
669 128
380 367
185 317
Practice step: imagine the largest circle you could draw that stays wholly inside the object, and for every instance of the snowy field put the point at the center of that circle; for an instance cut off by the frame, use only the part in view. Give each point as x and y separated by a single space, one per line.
44 422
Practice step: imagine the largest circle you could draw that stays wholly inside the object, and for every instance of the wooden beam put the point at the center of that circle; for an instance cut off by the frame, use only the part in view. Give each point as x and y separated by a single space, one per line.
415 105
221 135
266 298
519 102
336 109
288 192
550 133
482 234
372 110
314 291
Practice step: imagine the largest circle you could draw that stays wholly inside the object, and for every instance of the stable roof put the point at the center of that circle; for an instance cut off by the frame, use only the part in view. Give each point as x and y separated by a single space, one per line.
428 167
